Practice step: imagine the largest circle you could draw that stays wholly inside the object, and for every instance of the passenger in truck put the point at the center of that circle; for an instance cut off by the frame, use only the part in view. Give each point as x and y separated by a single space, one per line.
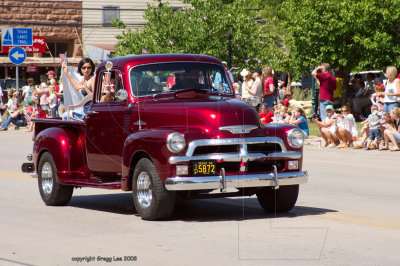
86 68
108 91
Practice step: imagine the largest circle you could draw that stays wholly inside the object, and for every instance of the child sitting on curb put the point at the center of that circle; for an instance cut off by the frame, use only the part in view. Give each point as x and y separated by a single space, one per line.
298 119
374 123
265 114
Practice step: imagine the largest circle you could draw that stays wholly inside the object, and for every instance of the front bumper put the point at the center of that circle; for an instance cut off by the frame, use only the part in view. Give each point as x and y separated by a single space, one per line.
223 182
29 168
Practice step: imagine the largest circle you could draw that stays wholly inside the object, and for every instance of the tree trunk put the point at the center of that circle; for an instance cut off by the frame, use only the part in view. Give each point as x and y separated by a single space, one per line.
345 90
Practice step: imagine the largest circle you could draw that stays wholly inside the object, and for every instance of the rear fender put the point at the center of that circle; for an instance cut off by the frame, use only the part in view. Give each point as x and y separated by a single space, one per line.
67 147
150 144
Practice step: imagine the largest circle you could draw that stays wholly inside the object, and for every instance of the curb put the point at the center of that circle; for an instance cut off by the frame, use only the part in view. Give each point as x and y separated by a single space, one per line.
314 141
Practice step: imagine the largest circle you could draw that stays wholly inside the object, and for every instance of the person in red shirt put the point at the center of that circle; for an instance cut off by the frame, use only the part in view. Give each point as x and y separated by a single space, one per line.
269 87
287 97
37 113
265 114
327 87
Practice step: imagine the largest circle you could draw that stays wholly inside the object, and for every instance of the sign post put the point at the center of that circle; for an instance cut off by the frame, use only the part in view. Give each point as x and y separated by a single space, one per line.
17 37
17 55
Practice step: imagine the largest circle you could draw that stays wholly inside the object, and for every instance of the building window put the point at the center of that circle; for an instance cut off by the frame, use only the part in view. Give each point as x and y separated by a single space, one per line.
110 12
57 48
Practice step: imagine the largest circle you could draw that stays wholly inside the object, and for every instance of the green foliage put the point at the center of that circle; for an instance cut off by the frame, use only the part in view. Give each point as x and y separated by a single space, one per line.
202 27
296 34
350 34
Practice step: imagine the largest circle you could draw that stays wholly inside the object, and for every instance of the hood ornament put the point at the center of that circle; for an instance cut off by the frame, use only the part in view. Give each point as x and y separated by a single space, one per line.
239 129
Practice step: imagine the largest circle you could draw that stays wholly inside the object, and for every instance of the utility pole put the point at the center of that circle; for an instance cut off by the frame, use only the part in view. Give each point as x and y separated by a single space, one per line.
230 36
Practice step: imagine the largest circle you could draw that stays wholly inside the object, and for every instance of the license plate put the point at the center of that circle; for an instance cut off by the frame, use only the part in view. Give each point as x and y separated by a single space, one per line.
204 168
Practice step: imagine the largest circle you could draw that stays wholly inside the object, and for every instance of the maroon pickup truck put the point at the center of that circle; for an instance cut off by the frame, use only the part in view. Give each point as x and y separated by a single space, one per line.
171 127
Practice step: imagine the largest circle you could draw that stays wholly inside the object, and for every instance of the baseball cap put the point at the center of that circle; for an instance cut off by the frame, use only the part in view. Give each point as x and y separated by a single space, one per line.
51 72
257 70
329 107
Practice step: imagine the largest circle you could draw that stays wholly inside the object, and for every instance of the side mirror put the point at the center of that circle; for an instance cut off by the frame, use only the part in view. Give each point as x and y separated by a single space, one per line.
121 95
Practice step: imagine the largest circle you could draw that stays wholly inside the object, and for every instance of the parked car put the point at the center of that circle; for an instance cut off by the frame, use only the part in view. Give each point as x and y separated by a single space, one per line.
188 139
379 75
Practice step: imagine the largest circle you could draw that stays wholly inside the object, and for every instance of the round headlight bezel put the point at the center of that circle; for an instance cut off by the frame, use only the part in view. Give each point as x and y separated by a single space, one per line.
296 133
176 142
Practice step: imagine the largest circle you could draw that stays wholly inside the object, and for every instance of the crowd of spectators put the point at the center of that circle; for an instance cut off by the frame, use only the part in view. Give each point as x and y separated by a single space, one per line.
34 101
270 94
374 103
43 100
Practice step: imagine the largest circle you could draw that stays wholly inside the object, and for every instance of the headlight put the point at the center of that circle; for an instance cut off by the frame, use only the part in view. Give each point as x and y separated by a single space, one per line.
295 138
176 142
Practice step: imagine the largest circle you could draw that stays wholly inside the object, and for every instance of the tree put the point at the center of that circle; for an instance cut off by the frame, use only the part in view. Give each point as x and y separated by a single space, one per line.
202 27
351 34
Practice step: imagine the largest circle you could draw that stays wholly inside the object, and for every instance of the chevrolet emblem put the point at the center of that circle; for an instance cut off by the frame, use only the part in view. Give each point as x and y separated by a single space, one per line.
239 129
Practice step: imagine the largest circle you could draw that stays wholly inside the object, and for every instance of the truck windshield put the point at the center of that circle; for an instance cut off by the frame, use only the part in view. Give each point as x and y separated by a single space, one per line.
163 77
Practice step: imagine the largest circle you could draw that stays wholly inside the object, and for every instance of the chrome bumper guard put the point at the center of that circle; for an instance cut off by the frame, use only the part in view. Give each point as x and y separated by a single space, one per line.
30 169
222 182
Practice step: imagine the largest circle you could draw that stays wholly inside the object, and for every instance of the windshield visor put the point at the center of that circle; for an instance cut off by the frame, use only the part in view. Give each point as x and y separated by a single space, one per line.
163 77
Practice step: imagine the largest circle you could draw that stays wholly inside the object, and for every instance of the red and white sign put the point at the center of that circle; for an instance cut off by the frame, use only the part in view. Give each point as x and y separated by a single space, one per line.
31 68
39 46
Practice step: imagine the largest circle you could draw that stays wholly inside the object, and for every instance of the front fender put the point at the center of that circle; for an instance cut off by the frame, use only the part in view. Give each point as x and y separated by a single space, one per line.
146 143
67 147
281 131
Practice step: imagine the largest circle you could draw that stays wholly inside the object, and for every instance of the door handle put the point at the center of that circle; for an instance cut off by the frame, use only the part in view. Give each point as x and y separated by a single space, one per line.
92 113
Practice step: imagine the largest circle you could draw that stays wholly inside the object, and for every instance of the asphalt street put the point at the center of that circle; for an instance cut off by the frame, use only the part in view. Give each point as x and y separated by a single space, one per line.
347 214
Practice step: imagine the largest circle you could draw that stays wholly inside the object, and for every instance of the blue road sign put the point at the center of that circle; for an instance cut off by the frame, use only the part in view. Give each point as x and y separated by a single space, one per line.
22 37
17 36
7 39
17 55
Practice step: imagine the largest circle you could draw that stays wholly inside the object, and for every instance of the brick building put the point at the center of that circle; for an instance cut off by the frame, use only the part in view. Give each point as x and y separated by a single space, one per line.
59 21
98 32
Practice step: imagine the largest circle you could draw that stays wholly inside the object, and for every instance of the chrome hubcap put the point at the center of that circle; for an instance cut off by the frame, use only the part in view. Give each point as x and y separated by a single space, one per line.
144 190
47 178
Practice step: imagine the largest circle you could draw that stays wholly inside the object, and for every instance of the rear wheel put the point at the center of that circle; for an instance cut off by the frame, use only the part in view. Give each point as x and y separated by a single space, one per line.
152 201
278 200
52 193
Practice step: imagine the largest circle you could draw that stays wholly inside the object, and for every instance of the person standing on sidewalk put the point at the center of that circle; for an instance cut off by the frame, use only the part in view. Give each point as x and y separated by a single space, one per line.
269 87
327 87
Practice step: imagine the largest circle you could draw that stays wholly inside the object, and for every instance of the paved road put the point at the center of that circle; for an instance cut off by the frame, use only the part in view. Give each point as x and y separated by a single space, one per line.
347 214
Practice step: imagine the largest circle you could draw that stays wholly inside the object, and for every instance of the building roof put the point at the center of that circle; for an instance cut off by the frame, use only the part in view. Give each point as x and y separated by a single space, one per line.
105 46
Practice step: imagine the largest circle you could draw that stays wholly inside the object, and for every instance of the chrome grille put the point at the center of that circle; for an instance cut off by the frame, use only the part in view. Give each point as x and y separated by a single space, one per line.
202 150
264 148
236 150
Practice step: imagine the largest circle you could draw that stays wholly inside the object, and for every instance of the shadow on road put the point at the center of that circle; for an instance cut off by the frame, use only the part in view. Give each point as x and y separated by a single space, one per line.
208 210
121 203
200 210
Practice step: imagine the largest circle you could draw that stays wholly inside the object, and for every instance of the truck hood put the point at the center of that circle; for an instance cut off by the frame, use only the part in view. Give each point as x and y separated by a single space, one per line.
207 113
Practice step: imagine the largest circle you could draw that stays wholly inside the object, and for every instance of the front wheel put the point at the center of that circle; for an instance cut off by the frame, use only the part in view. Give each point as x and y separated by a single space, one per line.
152 201
52 193
278 200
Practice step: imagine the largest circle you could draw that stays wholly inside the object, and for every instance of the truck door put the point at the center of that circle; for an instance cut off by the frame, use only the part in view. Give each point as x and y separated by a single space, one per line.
106 125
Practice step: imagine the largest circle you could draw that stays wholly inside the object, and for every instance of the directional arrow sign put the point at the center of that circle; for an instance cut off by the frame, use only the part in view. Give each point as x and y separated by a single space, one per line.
17 55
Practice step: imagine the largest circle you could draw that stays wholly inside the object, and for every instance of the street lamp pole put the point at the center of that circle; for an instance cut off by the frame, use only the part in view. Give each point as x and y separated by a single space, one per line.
230 37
